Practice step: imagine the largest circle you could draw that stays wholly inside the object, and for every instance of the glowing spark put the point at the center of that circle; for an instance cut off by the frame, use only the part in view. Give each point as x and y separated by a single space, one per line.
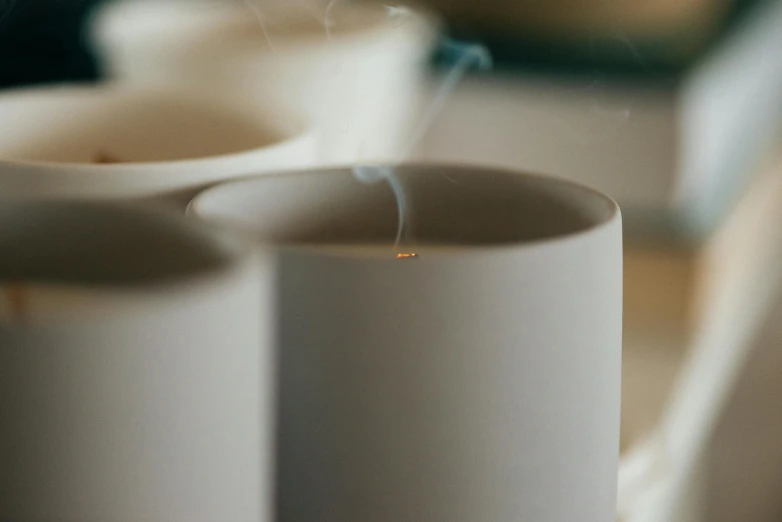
406 256
18 299
103 158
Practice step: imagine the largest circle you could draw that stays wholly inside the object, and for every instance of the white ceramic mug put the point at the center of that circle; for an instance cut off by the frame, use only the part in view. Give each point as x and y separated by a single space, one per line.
135 368
111 142
476 378
354 68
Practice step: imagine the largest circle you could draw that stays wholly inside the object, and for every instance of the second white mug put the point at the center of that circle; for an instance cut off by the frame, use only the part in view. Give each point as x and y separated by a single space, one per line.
136 370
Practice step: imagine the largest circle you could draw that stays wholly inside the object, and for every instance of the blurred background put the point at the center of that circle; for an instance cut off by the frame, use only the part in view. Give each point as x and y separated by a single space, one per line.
672 107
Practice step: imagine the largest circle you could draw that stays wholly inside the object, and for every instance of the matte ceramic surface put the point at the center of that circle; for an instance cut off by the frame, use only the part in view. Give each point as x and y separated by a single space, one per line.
354 68
476 380
123 143
135 368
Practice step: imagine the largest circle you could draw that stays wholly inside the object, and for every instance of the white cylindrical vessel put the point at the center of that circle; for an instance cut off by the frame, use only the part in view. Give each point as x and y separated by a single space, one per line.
354 68
135 368
110 142
471 372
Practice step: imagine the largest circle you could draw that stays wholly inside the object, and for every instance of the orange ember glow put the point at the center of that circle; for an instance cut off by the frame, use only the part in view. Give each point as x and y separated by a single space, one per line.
406 256
17 298
103 158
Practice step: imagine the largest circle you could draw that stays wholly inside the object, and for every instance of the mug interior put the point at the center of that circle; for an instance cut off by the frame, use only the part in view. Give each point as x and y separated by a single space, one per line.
442 205
106 125
70 243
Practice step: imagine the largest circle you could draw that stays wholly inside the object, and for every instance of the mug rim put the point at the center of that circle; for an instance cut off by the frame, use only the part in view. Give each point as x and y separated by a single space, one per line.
610 216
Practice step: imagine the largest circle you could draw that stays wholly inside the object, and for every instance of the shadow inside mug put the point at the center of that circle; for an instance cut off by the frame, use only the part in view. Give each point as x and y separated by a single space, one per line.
102 245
